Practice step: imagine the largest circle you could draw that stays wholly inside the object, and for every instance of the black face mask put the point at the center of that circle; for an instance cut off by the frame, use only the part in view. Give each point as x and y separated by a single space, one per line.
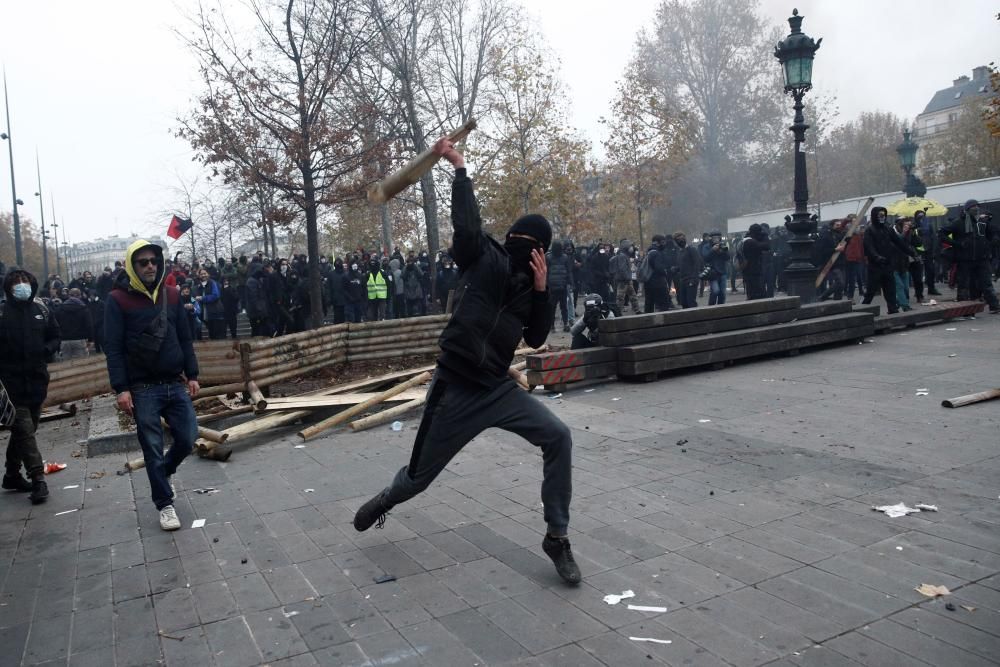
680 242
520 253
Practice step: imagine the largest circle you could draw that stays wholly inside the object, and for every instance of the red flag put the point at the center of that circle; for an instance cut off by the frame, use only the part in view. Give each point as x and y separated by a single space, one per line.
178 226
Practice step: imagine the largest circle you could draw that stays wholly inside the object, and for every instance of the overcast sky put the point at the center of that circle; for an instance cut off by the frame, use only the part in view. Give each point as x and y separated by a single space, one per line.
96 86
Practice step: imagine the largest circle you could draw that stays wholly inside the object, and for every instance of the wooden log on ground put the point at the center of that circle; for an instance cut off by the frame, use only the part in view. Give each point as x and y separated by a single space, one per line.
268 376
569 358
341 417
572 374
385 325
232 412
823 309
867 308
702 327
370 383
400 346
257 400
694 344
521 351
221 389
387 415
518 377
320 357
942 312
375 333
218 437
288 347
628 369
688 315
59 412
334 401
969 399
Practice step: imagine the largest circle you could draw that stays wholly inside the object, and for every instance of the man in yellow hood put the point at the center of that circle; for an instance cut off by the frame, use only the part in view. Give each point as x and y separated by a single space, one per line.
152 367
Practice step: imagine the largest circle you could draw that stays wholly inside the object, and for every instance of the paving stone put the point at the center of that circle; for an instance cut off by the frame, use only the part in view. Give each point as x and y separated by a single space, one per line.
93 561
93 591
357 614
165 575
482 637
99 657
193 650
175 610
735 648
389 648
357 567
232 643
392 560
740 560
288 584
300 548
129 583
324 576
455 546
951 631
126 554
424 553
436 598
523 626
49 639
317 624
138 651
817 656
781 545
784 614
395 604
251 592
157 546
922 646
267 553
13 639
681 651
134 618
436 645
190 541
570 655
214 601
734 618
274 633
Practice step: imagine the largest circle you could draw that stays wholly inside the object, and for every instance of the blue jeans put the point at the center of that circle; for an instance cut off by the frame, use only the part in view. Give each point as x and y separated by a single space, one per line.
173 403
902 279
717 290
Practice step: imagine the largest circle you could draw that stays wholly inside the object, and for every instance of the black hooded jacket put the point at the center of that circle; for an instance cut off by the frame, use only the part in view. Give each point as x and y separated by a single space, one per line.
882 243
560 271
495 306
29 338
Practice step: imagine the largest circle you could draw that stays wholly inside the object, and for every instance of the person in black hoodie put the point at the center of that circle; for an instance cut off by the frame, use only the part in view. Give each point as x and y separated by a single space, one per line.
256 302
689 266
337 288
973 240
75 326
754 247
501 298
355 291
560 274
29 339
881 245
660 259
230 305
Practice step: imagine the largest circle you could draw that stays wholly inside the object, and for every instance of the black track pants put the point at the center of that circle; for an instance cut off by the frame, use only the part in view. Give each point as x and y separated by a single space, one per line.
455 414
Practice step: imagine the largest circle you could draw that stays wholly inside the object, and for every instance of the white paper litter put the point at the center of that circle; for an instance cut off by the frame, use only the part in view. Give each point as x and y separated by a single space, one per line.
289 614
704 421
932 302
952 329
308 490
300 446
555 396
923 389
616 399
71 486
894 511
66 512
927 508
637 607
611 598
587 391
951 356
650 639
198 523
922 393
397 426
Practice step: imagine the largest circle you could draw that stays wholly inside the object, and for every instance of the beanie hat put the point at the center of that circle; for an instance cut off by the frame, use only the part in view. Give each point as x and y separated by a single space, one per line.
679 235
535 226
755 229
969 204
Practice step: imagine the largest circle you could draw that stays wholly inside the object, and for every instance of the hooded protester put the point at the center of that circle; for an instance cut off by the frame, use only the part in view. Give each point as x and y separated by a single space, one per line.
972 241
256 302
754 247
152 368
447 279
560 276
881 245
337 288
377 285
230 304
689 266
29 339
501 298
659 266
715 253
413 290
75 326
208 294
398 289
355 291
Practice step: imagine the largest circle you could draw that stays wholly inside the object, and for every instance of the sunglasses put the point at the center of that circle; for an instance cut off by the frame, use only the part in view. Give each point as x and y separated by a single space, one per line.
146 261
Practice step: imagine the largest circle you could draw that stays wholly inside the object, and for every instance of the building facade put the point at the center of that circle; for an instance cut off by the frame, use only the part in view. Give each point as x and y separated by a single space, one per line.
945 107
93 256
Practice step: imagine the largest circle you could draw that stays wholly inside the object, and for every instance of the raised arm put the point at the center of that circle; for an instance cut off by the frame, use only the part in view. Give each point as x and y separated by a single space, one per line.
467 239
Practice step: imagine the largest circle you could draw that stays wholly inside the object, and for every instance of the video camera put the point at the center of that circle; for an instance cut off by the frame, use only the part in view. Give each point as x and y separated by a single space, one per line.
594 310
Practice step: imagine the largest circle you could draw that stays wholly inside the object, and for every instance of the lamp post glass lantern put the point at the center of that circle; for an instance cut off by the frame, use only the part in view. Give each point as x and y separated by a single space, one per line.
796 53
913 186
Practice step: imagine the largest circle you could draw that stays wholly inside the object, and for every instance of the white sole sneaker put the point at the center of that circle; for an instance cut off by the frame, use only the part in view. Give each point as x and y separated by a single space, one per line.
168 518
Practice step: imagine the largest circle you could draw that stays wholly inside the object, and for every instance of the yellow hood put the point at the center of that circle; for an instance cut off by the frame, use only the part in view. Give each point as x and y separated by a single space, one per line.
133 280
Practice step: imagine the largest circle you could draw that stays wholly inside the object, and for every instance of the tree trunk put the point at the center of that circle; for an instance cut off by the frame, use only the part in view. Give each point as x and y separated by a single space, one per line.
386 228
430 218
274 244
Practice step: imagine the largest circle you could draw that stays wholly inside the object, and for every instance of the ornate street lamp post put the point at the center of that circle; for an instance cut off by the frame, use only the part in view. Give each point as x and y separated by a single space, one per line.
913 187
18 250
795 53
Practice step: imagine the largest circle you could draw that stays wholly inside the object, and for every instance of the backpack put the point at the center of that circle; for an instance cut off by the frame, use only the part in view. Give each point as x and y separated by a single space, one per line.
741 259
645 271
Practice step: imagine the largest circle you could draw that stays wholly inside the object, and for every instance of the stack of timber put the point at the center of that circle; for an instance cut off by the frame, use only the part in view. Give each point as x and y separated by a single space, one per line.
557 370
942 312
392 338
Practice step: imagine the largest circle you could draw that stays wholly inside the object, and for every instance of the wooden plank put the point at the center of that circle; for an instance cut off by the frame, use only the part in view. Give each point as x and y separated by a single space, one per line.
695 344
319 402
927 314
822 309
684 316
572 374
641 368
570 358
969 399
872 308
701 328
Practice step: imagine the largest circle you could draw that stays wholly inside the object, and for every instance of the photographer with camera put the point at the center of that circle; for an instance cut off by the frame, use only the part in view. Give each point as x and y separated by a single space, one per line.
584 332
715 253
972 238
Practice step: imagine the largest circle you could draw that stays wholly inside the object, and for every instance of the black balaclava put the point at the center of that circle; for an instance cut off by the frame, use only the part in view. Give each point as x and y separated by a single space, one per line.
874 216
519 249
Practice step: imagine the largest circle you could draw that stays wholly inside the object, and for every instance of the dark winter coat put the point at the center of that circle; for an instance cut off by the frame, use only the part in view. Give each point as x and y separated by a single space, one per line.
355 287
718 260
495 306
689 263
74 320
881 243
337 286
560 271
29 338
256 305
971 240
754 250
412 276
211 300
127 314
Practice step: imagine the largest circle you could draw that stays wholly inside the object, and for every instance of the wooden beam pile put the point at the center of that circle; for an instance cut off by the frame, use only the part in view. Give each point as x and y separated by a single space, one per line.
942 312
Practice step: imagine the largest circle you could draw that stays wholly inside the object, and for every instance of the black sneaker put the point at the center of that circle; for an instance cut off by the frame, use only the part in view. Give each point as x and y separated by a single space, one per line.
558 549
372 512
15 482
39 492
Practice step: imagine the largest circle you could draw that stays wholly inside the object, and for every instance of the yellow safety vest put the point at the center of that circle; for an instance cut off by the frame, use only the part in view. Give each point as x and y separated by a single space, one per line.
377 289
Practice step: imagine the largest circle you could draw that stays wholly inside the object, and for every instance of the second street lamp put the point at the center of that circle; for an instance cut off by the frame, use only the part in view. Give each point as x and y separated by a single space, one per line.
795 53
913 186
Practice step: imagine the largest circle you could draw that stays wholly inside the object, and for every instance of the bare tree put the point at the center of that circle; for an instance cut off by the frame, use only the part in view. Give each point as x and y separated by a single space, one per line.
275 108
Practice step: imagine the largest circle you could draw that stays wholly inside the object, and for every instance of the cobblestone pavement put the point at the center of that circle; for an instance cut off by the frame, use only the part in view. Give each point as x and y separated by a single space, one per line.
740 500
